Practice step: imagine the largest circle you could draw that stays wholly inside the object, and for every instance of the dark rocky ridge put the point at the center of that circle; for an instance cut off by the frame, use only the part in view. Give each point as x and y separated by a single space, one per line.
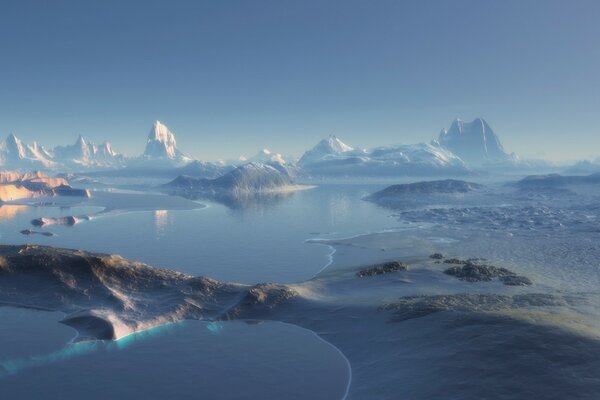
411 307
466 335
472 271
383 268
553 181
445 186
32 232
411 193
98 291
475 270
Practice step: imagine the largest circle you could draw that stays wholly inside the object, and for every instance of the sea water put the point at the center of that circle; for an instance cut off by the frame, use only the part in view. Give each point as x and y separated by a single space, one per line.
193 359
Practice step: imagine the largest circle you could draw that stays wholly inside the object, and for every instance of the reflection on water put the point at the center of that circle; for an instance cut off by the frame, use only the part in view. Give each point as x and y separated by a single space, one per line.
10 211
161 219
339 208
256 202
265 241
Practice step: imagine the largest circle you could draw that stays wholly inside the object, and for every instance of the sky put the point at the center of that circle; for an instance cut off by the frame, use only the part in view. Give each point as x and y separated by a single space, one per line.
232 77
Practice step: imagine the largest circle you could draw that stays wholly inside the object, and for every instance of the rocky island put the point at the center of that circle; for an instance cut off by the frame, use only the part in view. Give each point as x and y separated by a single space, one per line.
17 186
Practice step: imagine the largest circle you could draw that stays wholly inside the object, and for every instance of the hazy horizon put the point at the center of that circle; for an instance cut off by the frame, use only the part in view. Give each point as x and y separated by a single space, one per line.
282 75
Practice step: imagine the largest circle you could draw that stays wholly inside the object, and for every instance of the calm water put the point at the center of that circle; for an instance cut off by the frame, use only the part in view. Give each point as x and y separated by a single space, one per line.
192 359
250 243
257 244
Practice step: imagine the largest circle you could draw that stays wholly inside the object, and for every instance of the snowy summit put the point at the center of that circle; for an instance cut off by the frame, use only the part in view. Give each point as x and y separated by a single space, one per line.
474 142
326 147
161 143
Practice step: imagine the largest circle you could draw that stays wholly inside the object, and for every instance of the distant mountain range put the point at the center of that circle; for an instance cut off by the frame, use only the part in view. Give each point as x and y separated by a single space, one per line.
80 155
331 156
458 150
161 151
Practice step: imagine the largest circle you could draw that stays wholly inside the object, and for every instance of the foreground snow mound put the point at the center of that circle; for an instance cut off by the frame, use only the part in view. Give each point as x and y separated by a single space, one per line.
332 157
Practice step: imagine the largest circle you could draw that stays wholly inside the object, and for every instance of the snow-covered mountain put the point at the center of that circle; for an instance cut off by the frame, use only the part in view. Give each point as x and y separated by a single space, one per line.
328 148
248 178
88 155
16 154
161 145
584 167
462 146
474 142
161 151
332 157
265 156
203 169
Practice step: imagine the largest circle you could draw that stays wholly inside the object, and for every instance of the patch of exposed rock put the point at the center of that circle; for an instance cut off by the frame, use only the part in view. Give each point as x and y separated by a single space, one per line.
260 300
515 280
29 232
420 306
68 221
383 268
107 296
475 270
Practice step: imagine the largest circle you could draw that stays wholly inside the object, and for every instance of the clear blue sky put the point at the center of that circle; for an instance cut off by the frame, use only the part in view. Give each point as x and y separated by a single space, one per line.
230 77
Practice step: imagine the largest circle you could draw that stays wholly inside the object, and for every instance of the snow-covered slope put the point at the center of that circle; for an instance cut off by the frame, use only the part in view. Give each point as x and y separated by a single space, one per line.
247 178
82 154
331 156
328 148
584 167
161 152
89 155
475 142
265 156
16 154
161 144
203 169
